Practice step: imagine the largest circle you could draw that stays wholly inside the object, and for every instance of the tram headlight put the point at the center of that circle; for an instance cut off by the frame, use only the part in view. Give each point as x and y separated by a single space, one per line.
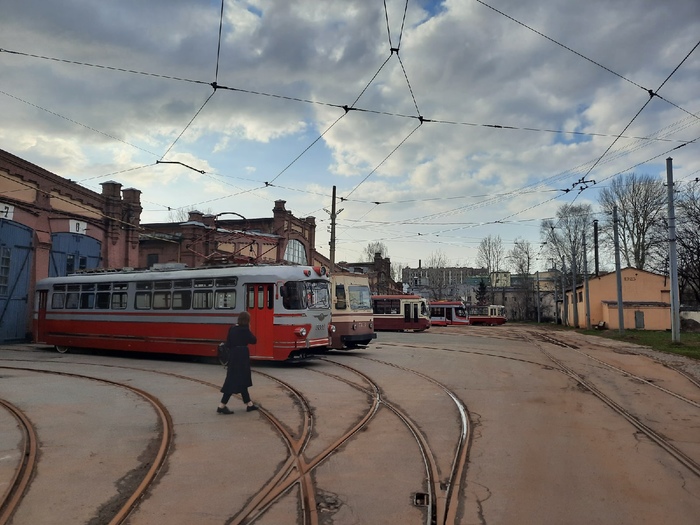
371 325
354 326
331 328
301 332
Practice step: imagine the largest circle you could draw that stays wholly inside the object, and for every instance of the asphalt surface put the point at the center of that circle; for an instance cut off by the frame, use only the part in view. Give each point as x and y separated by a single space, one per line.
541 447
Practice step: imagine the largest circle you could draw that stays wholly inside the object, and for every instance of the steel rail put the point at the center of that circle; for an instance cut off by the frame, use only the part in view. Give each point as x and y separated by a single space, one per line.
165 438
25 469
692 465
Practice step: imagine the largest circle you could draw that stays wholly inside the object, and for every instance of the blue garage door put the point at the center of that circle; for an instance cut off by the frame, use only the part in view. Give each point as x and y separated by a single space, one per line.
71 252
15 264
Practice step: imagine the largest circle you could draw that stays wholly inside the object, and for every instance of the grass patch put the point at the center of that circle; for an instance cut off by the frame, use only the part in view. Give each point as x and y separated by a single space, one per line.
688 346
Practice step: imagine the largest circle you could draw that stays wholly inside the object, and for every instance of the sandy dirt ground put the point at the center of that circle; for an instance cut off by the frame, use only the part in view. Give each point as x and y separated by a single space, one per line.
465 425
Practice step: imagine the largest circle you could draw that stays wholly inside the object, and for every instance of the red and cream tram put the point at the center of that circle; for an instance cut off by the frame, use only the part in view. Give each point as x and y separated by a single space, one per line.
351 314
400 312
493 314
444 313
187 311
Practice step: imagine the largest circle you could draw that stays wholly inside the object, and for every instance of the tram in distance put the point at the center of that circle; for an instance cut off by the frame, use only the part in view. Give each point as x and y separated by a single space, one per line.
187 311
400 312
351 312
444 313
493 314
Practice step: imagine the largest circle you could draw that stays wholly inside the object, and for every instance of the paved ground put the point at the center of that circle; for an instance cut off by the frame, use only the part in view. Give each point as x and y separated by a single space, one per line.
340 437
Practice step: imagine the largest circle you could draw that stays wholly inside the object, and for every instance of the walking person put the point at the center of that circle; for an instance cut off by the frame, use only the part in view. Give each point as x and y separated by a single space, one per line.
238 376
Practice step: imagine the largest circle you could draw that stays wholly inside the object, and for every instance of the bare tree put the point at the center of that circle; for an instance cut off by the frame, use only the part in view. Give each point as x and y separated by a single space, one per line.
640 201
183 214
564 236
397 272
438 280
374 248
688 243
491 255
521 259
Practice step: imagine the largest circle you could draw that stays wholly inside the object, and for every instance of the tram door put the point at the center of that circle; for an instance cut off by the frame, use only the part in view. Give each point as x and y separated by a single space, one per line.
39 323
260 306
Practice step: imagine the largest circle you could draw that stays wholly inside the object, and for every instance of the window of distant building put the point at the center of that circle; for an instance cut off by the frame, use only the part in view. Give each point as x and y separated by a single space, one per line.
295 252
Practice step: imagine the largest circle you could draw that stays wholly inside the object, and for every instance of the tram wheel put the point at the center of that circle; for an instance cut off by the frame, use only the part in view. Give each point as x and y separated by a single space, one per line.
62 349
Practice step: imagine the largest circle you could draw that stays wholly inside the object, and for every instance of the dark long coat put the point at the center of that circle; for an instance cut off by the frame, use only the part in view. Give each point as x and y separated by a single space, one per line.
238 374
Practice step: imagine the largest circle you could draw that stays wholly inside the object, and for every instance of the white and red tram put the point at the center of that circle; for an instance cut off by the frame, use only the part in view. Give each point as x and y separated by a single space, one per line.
394 313
493 314
446 313
187 311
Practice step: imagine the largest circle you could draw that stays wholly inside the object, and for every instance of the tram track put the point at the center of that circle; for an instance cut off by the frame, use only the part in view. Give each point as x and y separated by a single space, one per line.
128 502
623 372
25 466
444 491
664 443
296 470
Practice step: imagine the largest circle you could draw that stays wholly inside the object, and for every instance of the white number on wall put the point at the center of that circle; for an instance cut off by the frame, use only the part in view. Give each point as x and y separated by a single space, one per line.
78 227
7 211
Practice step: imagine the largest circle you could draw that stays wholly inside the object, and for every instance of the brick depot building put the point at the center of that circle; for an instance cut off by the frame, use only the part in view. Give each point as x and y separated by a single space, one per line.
51 226
207 239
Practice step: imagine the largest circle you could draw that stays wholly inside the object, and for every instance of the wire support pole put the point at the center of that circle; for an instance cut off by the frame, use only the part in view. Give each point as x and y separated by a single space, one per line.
587 296
672 256
618 272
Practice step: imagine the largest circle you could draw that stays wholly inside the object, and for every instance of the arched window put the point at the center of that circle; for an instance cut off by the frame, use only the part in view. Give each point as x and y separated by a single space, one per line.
295 252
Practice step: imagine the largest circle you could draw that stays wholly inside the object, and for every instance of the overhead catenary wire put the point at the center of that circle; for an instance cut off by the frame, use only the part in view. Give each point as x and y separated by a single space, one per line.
290 98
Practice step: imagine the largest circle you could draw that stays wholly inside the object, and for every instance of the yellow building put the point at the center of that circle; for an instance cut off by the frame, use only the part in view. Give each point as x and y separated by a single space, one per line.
646 300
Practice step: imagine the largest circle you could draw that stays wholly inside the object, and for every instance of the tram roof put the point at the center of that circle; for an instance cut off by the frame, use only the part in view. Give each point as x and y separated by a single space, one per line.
273 272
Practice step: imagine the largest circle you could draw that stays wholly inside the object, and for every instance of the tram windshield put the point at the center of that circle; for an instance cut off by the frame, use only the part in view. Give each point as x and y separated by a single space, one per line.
302 295
359 297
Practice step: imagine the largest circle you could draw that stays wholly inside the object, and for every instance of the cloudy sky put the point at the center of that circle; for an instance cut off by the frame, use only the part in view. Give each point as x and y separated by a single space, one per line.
439 123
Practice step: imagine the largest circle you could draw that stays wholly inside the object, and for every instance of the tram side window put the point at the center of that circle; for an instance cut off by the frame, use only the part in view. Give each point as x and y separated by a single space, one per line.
87 301
202 300
161 300
143 301
58 300
103 300
225 299
182 300
119 301
390 306
340 303
72 300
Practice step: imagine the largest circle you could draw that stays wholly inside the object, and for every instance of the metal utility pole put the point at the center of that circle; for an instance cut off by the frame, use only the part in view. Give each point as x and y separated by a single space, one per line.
595 245
585 283
574 299
333 215
618 271
332 243
539 317
672 256
564 306
556 302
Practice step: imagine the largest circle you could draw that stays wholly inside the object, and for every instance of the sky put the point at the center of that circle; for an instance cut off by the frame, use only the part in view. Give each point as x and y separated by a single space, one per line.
438 123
